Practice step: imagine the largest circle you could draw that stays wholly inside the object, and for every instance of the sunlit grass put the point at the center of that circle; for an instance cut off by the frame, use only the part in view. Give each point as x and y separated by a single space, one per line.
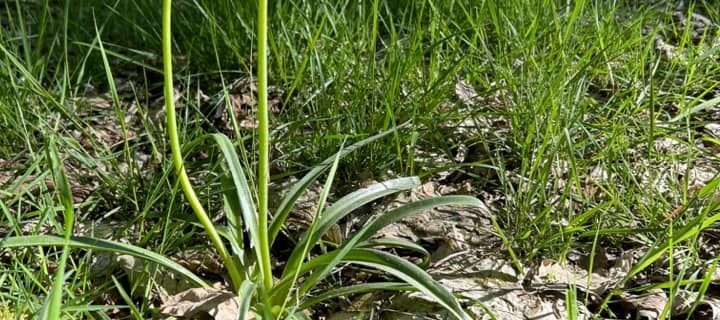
586 93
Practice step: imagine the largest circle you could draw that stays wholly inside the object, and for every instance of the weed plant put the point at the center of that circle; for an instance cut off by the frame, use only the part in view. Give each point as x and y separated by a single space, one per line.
252 278
586 92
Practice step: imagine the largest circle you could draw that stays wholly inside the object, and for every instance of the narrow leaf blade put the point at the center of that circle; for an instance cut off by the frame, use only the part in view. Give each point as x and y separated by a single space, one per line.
53 305
242 198
409 273
355 289
384 220
245 293
346 205
298 188
100 245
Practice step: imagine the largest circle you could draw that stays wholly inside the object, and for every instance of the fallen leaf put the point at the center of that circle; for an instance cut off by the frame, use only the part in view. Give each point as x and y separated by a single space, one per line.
648 305
242 98
466 93
709 309
197 302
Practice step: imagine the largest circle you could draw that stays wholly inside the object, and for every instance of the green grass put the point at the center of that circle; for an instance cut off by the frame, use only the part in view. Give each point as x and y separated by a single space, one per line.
584 89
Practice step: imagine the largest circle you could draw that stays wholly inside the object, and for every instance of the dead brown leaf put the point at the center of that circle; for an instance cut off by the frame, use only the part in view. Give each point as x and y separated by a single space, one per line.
242 99
647 306
466 93
452 228
197 302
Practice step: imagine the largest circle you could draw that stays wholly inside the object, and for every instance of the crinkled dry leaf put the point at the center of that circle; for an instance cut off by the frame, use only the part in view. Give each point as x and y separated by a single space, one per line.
712 129
494 284
497 285
647 306
452 228
200 261
666 50
697 24
104 127
348 315
709 309
671 146
305 207
241 94
552 276
466 93
197 302
664 177
683 303
100 102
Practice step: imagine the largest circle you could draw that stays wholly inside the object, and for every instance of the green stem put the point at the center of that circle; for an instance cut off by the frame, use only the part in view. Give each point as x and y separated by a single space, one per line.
176 152
264 152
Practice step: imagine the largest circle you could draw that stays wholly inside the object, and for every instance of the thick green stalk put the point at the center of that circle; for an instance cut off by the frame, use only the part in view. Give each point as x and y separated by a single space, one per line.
176 152
264 148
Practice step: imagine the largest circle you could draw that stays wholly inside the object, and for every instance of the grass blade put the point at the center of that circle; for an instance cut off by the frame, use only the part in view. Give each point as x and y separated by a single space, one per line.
52 307
571 303
700 107
704 286
126 297
295 268
62 186
690 230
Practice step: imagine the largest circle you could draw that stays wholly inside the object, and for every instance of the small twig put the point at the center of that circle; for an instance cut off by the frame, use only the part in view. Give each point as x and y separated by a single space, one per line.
673 213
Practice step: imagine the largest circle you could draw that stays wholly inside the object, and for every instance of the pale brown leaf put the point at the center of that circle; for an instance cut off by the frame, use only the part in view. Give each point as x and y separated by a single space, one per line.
196 302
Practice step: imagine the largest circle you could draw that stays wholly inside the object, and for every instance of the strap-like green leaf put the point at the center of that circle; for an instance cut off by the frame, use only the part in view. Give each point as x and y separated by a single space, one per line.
245 293
233 231
244 196
304 247
406 271
355 289
100 245
382 221
299 187
398 243
409 273
343 207
242 199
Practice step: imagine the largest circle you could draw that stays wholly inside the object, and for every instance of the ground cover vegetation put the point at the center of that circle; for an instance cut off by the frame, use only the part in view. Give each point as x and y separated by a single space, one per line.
562 159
